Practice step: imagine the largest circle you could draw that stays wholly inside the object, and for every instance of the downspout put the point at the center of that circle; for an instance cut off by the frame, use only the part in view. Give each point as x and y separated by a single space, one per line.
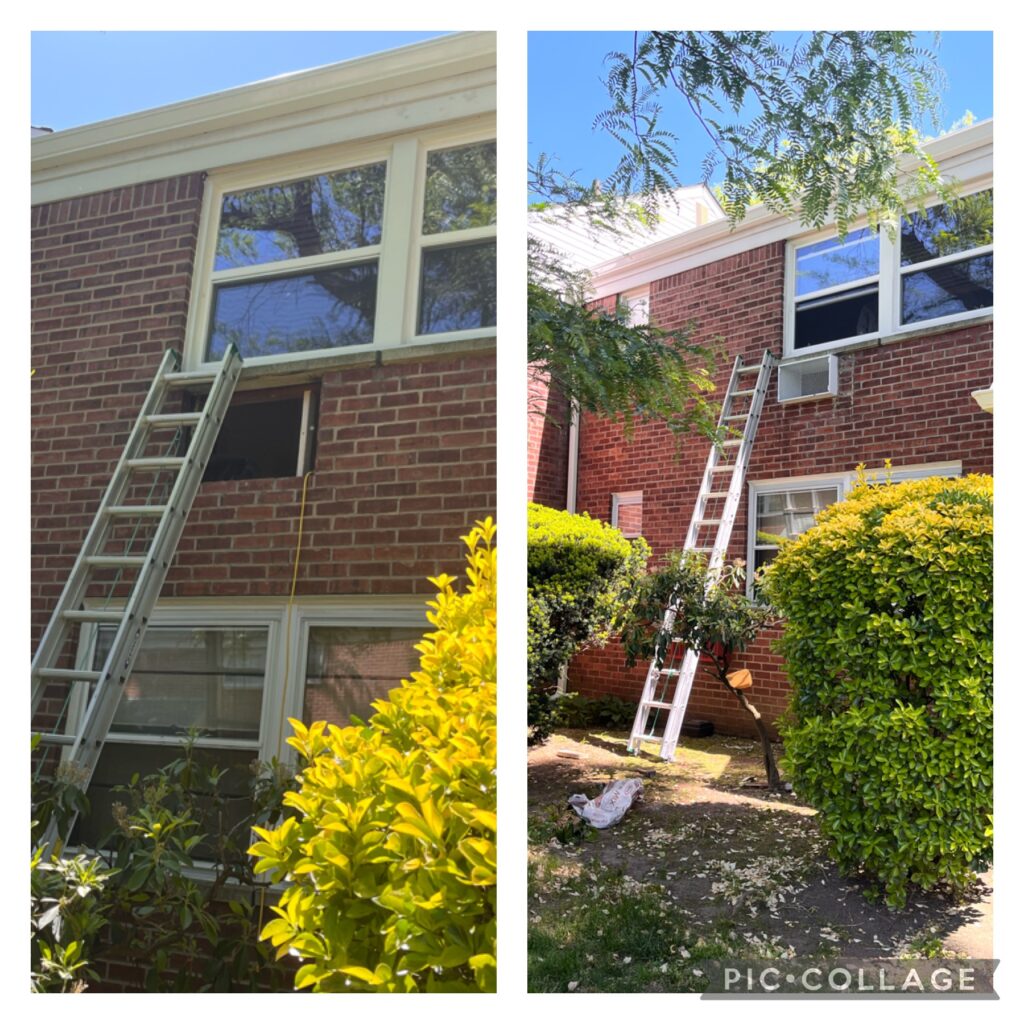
572 468
572 464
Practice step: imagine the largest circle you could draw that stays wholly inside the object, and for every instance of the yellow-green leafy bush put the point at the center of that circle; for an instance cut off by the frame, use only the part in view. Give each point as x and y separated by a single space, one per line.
888 645
391 862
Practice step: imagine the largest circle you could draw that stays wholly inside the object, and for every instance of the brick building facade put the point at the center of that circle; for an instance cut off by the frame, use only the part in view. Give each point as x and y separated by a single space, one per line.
134 251
898 389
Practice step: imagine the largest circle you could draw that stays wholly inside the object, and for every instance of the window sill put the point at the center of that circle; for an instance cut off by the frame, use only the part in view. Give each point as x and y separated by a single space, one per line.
894 337
267 372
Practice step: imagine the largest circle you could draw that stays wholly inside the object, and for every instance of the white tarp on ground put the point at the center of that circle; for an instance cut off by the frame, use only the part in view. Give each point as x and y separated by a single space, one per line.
608 809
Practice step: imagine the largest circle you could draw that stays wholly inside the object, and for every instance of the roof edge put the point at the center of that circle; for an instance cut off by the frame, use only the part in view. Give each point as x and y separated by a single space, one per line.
718 238
194 122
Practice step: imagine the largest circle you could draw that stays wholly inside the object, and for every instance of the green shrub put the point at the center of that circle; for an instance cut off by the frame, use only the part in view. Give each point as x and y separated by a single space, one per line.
68 910
574 711
185 930
888 645
580 574
391 863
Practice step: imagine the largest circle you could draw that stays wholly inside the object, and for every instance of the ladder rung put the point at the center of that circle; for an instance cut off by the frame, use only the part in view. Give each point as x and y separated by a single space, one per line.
136 510
717 494
722 469
155 462
753 368
74 674
649 739
116 561
667 705
732 442
94 615
173 419
738 416
744 393
669 672
190 377
709 522
59 739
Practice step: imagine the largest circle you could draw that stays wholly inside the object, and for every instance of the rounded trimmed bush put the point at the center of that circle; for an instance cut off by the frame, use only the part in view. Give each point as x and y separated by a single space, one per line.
581 574
888 645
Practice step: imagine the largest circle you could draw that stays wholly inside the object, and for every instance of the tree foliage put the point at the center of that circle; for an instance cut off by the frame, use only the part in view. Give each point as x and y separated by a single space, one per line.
888 645
819 128
716 621
604 366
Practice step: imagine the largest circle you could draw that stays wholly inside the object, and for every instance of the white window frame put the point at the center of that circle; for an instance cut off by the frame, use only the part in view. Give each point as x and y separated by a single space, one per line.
398 254
638 302
890 276
843 481
287 640
620 498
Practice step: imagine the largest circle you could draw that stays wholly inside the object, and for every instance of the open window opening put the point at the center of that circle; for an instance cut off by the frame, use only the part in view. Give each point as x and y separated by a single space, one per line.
266 433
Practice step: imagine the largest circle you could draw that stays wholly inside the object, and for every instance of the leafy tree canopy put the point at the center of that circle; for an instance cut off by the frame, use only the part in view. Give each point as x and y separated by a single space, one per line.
819 128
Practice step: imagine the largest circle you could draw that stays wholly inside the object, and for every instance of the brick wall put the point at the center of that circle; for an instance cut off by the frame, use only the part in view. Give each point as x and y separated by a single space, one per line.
406 450
908 401
547 443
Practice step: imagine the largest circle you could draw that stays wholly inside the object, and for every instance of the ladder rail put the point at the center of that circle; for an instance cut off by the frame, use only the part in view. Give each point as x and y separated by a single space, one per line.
55 634
99 713
90 715
725 520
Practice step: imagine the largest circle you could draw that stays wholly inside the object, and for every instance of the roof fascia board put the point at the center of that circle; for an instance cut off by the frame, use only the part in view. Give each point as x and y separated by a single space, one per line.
395 91
965 155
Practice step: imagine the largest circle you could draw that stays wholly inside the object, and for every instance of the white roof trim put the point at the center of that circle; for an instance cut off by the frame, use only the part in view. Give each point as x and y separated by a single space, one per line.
400 90
965 155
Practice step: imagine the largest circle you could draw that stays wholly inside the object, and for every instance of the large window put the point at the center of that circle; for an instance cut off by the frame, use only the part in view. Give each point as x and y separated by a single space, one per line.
375 248
938 269
236 673
458 253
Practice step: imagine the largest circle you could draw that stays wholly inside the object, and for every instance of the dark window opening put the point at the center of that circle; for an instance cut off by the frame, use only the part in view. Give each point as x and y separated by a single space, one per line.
265 435
835 317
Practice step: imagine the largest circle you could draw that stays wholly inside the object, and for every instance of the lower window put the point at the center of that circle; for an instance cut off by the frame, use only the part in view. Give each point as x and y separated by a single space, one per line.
784 509
210 679
783 515
235 674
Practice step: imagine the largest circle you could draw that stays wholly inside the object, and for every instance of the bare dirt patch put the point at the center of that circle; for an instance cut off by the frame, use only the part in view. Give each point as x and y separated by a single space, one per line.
732 861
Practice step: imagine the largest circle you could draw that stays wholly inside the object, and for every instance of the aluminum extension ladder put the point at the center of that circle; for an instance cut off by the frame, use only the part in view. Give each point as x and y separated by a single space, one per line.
97 693
713 514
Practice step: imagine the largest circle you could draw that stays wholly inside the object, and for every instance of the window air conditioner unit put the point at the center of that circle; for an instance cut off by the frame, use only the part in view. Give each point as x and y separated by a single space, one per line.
802 380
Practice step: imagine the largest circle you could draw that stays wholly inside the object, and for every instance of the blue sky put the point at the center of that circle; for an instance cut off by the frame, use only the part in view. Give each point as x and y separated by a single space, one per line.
81 77
566 92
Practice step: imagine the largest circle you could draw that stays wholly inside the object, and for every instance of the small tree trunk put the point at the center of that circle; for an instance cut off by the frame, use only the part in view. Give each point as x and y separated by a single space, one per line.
770 769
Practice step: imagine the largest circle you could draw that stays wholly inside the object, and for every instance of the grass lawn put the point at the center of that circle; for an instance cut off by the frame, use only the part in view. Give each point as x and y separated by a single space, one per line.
702 868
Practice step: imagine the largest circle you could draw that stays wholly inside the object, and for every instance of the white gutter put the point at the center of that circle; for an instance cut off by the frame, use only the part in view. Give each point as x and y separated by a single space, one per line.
396 91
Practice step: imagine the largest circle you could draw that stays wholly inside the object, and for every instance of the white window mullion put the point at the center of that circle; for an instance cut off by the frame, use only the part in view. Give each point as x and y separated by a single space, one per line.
888 283
395 288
